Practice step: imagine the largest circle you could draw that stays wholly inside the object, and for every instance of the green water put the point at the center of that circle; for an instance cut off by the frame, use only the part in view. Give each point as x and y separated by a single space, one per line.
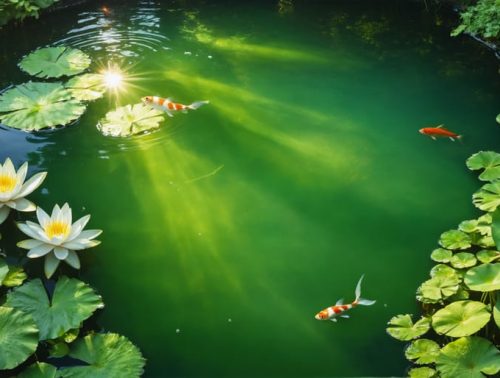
229 228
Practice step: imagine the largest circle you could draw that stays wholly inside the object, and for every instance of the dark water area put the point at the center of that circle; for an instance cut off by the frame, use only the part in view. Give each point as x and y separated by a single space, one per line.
229 228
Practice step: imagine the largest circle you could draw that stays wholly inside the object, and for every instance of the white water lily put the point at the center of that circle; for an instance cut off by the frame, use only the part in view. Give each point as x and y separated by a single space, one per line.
13 189
57 238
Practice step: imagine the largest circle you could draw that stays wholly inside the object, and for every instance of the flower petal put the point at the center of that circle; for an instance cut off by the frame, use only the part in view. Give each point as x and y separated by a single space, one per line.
73 260
55 212
30 185
29 243
51 264
61 253
40 251
77 227
8 168
66 214
21 176
43 217
28 231
4 213
38 231
89 234
22 204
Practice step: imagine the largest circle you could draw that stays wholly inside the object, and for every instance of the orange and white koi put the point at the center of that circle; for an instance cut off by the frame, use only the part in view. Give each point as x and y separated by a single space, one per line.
439 131
332 312
168 106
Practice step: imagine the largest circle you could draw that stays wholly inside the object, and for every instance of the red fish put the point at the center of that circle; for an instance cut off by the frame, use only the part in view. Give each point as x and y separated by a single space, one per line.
439 131
168 106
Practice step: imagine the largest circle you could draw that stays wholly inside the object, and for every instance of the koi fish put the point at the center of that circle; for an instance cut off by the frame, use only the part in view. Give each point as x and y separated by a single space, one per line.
439 131
168 106
332 312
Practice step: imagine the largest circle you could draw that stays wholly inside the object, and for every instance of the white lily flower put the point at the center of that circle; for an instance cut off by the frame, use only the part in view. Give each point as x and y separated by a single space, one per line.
13 189
57 238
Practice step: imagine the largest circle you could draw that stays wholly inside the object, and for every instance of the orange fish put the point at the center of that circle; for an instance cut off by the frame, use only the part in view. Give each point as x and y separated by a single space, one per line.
168 106
439 131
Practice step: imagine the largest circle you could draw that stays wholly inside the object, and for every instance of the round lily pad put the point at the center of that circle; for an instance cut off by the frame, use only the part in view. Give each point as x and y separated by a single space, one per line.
487 255
87 87
34 106
485 277
488 197
130 120
487 160
18 337
461 318
438 288
422 351
401 327
443 271
14 277
422 372
455 239
72 302
107 355
39 370
496 310
55 62
463 260
468 226
468 357
441 255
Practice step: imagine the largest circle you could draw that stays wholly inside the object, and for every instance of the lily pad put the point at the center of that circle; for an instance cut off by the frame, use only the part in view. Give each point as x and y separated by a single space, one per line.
487 255
488 197
401 327
39 370
496 310
422 351
14 277
487 160
72 302
108 355
55 62
461 318
455 239
86 87
443 271
485 277
495 227
441 255
130 120
4 269
422 372
463 260
438 288
18 337
34 106
468 357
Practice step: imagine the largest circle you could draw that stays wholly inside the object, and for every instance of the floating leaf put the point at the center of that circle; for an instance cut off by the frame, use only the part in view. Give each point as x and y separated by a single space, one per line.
485 242
463 260
4 269
498 118
39 370
487 255
443 271
18 337
468 226
86 87
496 310
55 62
423 351
15 276
72 302
495 227
487 160
130 120
468 357
460 295
485 277
108 355
439 287
34 106
59 349
455 239
441 255
488 197
401 327
461 318
422 372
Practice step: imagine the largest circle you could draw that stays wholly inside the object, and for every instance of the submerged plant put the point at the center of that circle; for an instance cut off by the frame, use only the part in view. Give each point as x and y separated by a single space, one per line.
57 238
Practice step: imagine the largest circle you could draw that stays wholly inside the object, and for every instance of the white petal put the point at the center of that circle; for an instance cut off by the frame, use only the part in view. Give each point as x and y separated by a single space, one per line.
8 168
89 234
77 227
22 204
40 251
42 216
51 264
73 260
38 231
29 243
66 214
31 184
28 231
55 212
74 245
4 213
61 253
21 175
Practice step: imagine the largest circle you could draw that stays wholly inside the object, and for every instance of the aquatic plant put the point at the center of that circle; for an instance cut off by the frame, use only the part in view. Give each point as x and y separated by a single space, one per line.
461 299
13 189
480 19
20 9
86 87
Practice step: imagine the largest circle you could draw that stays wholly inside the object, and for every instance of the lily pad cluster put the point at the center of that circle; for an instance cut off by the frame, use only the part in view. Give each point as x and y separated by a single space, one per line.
33 106
459 328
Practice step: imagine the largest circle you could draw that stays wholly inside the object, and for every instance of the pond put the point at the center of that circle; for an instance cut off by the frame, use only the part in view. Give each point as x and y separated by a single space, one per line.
230 227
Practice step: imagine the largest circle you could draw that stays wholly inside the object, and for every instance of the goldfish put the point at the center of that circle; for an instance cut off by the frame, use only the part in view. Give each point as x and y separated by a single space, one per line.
439 131
331 313
168 106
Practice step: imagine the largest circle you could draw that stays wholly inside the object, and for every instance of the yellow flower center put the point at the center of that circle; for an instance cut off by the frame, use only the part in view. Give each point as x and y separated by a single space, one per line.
56 228
7 183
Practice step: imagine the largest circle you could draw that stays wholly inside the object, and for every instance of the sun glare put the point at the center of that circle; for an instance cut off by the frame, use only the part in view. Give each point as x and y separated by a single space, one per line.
113 79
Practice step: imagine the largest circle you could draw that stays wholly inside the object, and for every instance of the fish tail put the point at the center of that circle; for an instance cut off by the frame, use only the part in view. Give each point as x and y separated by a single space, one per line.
197 104
359 300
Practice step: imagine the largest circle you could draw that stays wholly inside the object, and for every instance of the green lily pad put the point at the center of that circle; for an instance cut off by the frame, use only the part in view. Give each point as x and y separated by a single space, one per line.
487 160
130 120
495 227
487 255
443 270
462 318
468 357
455 239
108 355
39 370
401 327
14 277
4 269
463 260
496 310
488 197
18 337
438 288
34 106
55 62
441 255
460 295
72 302
422 372
485 277
468 226
87 87
422 351
484 241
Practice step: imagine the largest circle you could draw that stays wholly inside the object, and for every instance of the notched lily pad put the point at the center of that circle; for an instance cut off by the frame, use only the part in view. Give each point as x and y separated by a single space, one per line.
488 197
422 372
463 260
34 106
487 255
130 120
485 277
14 277
422 351
455 239
441 255
401 327
39 370
487 160
443 284
87 87
462 318
51 62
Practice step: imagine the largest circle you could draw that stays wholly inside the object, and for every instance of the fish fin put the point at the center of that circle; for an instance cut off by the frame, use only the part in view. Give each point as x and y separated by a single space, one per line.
359 300
169 113
333 320
433 138
340 302
357 292
452 139
365 302
197 104
345 316
440 126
